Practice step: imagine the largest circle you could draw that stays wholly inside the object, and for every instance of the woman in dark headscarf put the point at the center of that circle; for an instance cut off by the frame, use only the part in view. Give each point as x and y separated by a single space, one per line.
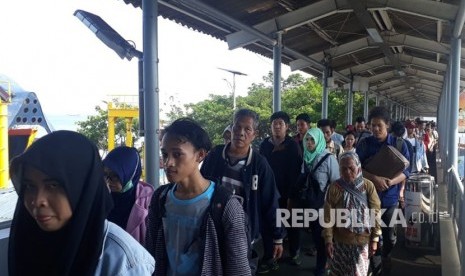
131 197
59 226
350 243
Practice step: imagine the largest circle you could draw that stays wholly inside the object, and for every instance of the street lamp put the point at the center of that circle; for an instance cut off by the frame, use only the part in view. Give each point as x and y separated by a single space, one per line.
121 46
234 73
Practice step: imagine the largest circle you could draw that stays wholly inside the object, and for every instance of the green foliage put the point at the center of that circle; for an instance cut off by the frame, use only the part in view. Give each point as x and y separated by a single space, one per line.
95 127
299 95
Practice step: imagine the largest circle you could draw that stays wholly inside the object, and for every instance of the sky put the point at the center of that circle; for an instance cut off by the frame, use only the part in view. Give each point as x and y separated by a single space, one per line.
49 51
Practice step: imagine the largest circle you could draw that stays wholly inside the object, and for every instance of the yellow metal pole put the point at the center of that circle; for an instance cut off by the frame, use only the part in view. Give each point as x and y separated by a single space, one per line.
128 132
111 128
4 162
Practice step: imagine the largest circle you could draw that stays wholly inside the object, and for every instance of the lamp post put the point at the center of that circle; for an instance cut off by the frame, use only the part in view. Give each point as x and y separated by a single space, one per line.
122 47
234 73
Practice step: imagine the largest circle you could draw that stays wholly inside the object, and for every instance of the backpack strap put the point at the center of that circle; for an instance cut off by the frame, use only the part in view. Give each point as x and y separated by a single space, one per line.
320 162
399 143
218 201
162 199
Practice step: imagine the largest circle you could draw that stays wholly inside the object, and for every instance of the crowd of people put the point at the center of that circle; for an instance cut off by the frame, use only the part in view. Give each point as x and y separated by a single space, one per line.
80 215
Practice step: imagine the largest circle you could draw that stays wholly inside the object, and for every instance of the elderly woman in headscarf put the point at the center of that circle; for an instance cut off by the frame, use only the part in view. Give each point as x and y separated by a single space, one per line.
324 168
131 196
59 226
352 239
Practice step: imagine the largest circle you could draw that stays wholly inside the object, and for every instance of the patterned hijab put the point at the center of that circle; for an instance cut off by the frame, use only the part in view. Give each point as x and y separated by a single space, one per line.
355 198
320 145
74 162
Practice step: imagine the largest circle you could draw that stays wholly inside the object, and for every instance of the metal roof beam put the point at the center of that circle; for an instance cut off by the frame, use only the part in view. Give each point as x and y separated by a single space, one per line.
367 42
407 59
459 20
404 59
395 83
394 89
418 43
414 92
391 40
424 8
365 18
425 63
382 76
341 50
370 65
426 100
429 83
433 77
422 87
288 21
389 84
222 17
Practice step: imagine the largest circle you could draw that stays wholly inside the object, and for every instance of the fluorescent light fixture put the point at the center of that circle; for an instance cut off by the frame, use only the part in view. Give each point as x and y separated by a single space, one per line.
375 35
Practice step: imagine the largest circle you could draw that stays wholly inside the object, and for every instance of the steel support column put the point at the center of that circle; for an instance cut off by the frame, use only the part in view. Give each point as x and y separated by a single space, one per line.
350 102
454 101
151 90
140 75
366 102
324 101
277 73
448 163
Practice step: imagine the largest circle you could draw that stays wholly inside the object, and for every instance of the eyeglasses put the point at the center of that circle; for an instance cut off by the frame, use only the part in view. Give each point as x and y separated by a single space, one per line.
111 177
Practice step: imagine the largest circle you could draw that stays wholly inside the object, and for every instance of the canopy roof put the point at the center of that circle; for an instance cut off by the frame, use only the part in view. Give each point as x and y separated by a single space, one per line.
400 48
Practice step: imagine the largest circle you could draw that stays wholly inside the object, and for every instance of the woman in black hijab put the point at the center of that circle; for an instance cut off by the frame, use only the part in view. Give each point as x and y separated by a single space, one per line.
59 225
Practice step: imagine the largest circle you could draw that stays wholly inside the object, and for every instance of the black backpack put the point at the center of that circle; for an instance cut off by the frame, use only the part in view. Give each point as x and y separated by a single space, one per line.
310 193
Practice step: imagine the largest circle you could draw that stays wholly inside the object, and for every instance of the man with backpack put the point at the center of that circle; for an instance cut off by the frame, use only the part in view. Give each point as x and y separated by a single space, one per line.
398 131
242 170
194 225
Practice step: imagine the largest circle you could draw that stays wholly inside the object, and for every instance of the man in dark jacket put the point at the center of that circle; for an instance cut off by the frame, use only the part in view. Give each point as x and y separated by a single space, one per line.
249 176
388 189
282 153
361 130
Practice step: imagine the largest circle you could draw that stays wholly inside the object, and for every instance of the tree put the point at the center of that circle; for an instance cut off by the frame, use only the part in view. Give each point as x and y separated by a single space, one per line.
96 127
214 114
298 95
